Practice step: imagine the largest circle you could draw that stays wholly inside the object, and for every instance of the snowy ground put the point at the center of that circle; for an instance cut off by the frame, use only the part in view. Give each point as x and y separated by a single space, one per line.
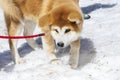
100 49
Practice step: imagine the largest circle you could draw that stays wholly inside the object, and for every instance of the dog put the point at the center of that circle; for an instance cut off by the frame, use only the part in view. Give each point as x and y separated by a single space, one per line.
60 20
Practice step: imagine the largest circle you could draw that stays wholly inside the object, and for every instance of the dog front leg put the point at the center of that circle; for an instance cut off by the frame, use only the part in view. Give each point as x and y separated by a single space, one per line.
74 54
48 46
14 30
28 30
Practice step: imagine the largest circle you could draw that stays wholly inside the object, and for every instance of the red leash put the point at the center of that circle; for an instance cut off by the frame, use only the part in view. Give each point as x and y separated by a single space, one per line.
22 37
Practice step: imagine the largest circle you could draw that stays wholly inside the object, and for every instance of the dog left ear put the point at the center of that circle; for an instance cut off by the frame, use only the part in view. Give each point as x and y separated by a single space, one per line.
75 17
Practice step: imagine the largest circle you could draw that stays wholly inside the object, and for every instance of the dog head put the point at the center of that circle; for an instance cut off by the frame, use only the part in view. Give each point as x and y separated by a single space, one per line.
65 26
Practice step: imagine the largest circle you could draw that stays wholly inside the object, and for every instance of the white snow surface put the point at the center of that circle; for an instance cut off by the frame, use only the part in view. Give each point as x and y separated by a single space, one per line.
99 53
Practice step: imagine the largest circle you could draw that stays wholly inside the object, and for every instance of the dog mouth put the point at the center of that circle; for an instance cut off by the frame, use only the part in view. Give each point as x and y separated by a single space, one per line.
61 47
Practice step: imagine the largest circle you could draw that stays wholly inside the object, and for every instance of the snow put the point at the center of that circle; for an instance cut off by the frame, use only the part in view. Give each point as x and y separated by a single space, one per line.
99 54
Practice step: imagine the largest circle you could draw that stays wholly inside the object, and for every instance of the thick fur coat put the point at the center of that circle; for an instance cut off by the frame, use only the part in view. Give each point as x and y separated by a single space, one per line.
62 19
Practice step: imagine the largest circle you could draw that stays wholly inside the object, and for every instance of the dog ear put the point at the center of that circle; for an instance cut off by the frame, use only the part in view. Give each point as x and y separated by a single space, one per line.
75 17
45 20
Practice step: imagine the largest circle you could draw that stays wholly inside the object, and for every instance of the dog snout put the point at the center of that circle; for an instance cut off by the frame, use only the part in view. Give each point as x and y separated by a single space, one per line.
60 44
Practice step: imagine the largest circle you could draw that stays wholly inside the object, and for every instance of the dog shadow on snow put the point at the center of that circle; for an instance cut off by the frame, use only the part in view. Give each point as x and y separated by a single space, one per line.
87 52
6 62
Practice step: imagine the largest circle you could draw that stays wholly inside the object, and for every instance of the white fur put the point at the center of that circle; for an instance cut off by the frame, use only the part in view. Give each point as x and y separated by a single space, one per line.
28 30
66 38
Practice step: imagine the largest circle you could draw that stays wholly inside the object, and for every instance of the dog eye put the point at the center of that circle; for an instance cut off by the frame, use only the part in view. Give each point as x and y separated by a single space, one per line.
56 30
67 30
73 23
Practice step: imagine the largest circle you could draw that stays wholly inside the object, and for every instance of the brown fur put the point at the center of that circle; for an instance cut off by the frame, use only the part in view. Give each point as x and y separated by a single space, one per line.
10 7
47 13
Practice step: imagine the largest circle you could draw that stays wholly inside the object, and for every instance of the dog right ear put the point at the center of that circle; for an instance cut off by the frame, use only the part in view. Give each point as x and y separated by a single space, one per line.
45 20
75 17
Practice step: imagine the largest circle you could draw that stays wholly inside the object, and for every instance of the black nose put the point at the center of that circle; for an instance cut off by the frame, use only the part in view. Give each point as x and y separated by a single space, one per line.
60 44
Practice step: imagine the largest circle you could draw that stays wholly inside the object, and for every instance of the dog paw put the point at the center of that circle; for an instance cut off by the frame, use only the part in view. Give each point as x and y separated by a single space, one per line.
56 61
20 61
73 66
36 49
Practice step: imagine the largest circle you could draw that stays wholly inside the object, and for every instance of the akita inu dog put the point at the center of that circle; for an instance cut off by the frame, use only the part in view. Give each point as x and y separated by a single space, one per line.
61 18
